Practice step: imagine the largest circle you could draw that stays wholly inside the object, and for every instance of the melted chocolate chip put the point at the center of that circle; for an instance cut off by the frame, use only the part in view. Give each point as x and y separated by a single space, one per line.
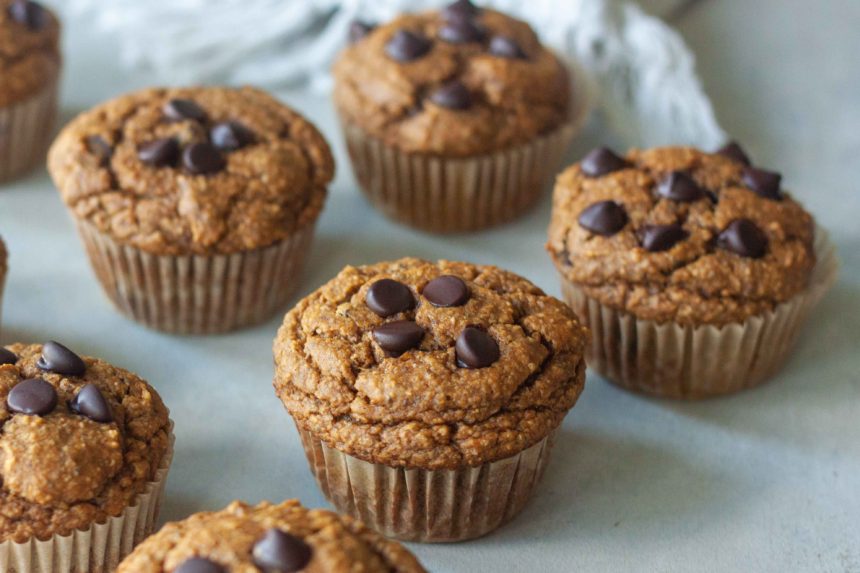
505 47
7 356
446 291
386 297
89 402
397 337
182 109
744 238
58 359
230 136
461 31
100 148
476 349
460 10
279 551
203 159
359 30
603 218
159 153
33 397
199 565
405 46
765 183
453 95
602 161
679 186
734 151
29 13
656 238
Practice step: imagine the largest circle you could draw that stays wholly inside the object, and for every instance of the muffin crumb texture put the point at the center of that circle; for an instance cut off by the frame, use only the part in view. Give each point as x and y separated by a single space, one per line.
29 49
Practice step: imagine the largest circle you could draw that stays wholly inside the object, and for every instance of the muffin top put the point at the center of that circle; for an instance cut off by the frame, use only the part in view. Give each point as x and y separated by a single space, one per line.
193 171
80 439
432 365
284 537
29 49
458 82
678 234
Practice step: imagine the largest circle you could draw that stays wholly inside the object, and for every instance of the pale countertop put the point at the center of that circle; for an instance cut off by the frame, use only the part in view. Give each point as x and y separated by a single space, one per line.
768 480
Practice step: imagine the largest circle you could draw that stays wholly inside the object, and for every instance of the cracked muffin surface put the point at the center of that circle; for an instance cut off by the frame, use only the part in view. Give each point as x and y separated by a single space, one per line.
207 170
678 234
234 540
383 366
29 49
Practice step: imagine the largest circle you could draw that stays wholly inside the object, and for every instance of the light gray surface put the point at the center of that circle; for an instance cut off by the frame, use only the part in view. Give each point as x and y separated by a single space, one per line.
764 481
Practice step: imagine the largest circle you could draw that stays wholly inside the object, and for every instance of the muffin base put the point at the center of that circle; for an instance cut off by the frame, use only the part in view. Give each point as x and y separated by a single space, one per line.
428 506
690 362
197 294
100 547
26 128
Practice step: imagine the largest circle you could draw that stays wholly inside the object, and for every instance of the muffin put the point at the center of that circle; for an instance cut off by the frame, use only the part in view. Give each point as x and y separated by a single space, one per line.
266 537
427 395
85 451
30 67
197 206
693 270
455 120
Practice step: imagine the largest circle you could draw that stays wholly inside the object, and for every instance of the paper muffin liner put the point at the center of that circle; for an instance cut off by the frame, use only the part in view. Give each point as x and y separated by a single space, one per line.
676 361
197 294
26 128
100 547
423 505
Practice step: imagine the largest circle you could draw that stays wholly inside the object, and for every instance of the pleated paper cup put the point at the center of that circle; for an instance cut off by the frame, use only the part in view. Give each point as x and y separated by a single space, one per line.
423 505
197 294
100 547
676 361
26 128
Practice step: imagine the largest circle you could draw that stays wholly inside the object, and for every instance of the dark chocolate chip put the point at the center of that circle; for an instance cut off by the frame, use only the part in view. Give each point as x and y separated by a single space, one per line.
230 136
679 186
182 109
475 348
734 151
358 30
7 356
446 290
397 337
97 145
743 237
60 360
279 551
159 153
33 397
602 161
405 46
29 13
765 183
505 47
460 31
203 159
199 565
460 10
453 95
603 218
388 296
656 238
89 402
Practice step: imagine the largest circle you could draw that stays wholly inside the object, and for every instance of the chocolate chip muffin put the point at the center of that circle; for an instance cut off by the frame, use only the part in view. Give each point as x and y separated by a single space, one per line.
693 269
85 450
446 378
30 69
197 206
266 537
454 119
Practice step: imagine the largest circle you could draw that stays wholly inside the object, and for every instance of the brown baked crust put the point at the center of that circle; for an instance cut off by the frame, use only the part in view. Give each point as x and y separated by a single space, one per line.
420 409
57 459
267 190
339 543
29 59
695 282
515 100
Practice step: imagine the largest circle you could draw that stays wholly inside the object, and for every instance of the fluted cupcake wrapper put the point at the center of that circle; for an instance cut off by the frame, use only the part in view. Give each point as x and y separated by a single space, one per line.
690 362
197 294
424 505
26 128
100 547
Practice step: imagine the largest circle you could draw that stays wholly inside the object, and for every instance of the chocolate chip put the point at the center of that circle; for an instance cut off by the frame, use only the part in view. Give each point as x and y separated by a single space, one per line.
199 565
679 186
97 145
446 291
461 31
279 551
765 183
461 9
89 402
388 296
58 359
358 30
453 95
7 356
33 397
603 218
734 151
230 136
744 238
602 161
656 238
397 337
505 47
203 159
405 46
159 153
182 109
29 13
475 348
